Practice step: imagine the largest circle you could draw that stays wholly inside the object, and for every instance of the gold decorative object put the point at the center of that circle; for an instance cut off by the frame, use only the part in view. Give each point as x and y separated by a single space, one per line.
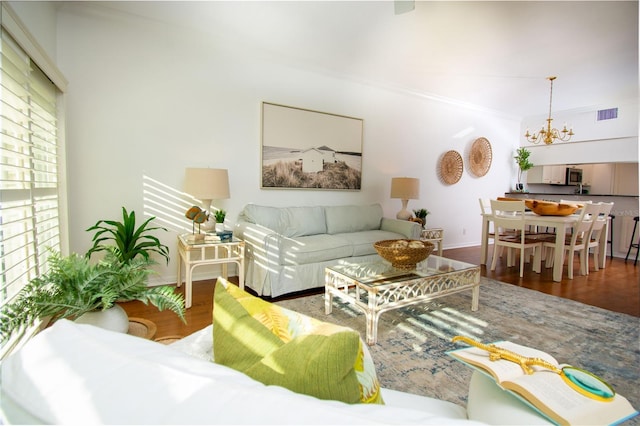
550 208
451 167
550 135
480 157
582 381
404 254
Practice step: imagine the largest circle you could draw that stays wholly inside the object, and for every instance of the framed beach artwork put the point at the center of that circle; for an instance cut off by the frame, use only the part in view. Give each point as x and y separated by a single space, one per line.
305 149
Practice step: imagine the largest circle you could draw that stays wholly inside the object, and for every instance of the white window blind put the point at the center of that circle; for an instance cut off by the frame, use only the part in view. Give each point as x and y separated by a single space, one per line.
29 208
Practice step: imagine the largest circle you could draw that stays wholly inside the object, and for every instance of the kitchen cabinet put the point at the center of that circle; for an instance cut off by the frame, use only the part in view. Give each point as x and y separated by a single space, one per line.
587 174
602 178
554 175
625 180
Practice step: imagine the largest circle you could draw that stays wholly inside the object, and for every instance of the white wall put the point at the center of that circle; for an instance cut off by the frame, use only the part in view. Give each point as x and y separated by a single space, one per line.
607 141
145 102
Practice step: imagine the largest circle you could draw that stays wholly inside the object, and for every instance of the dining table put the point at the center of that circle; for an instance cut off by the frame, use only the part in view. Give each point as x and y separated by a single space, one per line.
561 224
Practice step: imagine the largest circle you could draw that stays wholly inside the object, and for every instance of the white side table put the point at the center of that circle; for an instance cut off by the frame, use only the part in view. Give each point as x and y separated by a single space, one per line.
195 254
435 235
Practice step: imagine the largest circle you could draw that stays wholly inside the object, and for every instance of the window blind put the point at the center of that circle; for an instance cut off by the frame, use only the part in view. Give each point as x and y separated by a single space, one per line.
29 204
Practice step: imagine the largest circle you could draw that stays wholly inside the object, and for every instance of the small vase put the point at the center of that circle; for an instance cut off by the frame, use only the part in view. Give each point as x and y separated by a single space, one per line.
115 319
519 187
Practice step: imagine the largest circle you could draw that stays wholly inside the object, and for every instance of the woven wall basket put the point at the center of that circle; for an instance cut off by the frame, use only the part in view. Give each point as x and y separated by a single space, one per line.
480 157
451 167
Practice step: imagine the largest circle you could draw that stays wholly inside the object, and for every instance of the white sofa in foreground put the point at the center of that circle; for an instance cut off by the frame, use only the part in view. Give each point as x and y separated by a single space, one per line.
79 374
288 248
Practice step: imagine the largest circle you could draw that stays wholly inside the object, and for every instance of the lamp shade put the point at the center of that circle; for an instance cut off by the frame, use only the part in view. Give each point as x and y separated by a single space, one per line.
207 184
405 188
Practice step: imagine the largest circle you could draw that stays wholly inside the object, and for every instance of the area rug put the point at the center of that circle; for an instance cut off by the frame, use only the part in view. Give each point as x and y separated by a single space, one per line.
410 355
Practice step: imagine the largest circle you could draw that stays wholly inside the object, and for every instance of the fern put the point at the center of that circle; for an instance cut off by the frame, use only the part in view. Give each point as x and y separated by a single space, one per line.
74 286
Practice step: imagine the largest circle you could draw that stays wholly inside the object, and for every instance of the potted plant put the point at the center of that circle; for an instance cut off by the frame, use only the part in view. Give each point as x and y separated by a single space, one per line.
220 215
422 215
73 286
522 158
129 241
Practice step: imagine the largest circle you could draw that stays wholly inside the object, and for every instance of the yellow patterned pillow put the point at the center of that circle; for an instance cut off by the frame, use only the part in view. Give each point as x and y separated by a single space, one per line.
277 346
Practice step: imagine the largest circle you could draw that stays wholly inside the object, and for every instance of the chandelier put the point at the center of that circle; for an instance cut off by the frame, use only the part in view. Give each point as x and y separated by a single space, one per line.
550 135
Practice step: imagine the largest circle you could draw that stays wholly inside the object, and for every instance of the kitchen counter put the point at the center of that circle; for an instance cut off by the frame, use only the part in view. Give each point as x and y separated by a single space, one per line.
565 196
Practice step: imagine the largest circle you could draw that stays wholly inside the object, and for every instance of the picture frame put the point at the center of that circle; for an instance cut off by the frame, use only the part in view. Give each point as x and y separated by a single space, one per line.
306 149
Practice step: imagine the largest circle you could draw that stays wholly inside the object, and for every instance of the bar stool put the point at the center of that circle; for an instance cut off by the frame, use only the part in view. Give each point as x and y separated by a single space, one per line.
632 244
610 240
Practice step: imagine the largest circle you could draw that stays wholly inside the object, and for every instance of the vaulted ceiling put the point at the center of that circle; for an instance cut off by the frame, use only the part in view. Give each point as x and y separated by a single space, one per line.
495 55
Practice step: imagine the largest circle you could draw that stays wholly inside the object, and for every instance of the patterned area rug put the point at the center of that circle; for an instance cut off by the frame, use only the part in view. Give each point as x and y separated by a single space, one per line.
412 341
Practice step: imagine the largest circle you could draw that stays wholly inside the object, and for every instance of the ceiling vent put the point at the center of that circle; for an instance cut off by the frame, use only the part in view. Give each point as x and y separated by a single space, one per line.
607 114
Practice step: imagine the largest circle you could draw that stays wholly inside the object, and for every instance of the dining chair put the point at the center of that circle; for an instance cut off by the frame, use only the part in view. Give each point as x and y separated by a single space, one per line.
597 234
577 239
509 216
485 208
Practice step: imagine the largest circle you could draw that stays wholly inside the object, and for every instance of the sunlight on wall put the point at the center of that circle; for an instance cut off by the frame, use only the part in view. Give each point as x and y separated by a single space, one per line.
167 204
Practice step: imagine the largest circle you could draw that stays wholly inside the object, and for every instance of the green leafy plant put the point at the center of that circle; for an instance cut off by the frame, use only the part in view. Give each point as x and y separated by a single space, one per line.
129 241
421 213
73 286
522 158
220 215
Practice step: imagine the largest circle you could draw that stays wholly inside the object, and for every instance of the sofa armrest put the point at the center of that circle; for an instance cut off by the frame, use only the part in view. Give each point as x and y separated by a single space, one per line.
260 239
411 230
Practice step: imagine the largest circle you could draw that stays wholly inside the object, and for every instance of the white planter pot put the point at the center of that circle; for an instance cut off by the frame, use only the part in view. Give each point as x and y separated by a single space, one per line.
115 319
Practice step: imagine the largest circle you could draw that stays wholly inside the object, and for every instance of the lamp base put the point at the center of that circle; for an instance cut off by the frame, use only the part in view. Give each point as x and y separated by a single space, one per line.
404 214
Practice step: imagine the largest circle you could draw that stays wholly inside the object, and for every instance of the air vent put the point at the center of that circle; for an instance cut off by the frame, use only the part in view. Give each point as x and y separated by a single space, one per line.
607 114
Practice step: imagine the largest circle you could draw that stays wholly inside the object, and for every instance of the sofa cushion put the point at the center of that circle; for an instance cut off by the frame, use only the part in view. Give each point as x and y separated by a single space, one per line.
342 219
269 217
313 249
362 242
301 221
280 347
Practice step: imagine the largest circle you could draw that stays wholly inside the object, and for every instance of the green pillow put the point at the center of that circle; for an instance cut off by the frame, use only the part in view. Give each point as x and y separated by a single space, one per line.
280 347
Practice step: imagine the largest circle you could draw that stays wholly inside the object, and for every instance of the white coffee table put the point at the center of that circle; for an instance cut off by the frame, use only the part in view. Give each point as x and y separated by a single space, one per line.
377 287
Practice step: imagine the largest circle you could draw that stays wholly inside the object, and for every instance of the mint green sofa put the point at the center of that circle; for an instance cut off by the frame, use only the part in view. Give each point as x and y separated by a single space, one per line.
288 248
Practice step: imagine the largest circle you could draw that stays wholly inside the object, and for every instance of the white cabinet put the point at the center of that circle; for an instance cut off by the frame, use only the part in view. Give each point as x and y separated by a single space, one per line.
558 175
625 180
536 175
547 174
587 174
602 178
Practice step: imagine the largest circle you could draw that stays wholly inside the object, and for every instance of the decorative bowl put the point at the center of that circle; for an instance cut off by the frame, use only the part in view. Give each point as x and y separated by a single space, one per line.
404 254
551 208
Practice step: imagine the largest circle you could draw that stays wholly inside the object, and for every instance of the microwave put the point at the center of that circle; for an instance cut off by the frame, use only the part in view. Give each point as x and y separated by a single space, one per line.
574 176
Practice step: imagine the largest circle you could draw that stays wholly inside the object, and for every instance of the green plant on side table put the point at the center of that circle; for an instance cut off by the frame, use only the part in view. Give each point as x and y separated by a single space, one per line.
73 285
220 215
522 158
422 215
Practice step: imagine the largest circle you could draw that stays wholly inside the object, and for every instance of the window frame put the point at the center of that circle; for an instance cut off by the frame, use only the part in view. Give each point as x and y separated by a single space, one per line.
38 58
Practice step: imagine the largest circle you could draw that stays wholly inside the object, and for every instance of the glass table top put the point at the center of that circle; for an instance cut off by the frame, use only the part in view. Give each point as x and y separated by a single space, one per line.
185 239
381 272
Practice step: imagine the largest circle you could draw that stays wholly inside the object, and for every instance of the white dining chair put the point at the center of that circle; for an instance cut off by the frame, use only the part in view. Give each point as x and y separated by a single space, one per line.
577 239
509 216
597 234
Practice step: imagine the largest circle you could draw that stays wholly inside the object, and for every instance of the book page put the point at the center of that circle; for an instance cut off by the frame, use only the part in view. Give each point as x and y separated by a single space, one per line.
545 390
553 397
501 370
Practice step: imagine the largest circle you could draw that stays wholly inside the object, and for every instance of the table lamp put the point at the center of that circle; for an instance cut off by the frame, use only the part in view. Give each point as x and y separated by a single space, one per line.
406 189
207 185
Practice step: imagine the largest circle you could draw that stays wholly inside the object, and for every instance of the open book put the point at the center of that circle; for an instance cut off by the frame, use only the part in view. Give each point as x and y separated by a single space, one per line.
545 390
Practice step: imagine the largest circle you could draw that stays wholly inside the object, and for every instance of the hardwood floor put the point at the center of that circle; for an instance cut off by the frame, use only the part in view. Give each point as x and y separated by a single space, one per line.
616 288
